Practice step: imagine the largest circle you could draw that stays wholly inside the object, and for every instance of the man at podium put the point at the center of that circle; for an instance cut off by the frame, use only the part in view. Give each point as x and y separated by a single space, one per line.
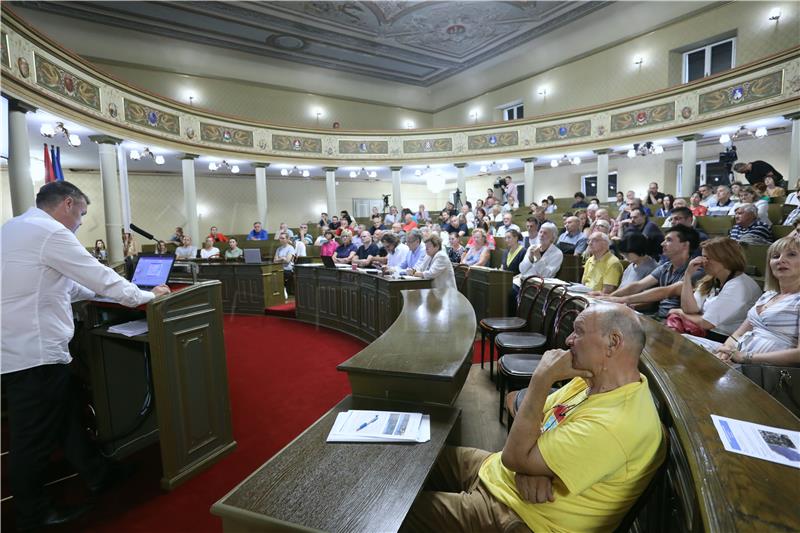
44 270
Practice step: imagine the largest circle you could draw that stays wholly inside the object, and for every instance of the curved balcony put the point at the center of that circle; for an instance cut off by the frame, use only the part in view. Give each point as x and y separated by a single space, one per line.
40 72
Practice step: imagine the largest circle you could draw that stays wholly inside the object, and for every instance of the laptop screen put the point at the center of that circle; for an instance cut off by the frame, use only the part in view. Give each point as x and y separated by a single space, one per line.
152 270
252 255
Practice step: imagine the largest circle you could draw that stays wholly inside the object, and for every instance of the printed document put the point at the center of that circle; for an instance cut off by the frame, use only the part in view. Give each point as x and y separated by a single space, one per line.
762 442
380 426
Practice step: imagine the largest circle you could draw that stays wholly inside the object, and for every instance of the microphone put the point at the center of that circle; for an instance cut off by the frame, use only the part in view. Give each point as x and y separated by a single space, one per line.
142 232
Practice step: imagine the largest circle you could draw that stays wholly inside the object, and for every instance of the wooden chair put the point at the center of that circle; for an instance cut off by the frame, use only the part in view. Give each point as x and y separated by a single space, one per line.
492 326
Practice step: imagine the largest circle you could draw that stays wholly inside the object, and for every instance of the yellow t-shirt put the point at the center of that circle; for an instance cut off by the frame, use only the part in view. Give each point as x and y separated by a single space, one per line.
606 271
604 451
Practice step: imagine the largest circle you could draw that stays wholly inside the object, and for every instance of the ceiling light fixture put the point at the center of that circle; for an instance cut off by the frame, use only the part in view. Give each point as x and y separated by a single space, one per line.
494 167
743 133
214 166
146 153
419 172
565 160
363 173
295 171
50 131
645 148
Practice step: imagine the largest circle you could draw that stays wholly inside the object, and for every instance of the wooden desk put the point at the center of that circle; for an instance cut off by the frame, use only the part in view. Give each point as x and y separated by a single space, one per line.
359 304
246 289
183 353
424 356
487 289
337 487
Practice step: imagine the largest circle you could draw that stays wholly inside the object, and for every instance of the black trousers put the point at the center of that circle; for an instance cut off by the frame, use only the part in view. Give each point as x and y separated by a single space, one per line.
288 281
44 413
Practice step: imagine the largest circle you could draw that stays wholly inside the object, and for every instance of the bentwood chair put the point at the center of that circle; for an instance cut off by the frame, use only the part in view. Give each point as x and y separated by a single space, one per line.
492 326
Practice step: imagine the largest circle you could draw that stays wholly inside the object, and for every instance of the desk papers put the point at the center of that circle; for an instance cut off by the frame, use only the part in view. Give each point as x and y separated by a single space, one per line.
762 442
130 329
380 426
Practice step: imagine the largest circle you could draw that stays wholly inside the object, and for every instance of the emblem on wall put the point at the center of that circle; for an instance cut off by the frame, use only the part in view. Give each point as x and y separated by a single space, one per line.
648 116
441 144
112 110
686 112
24 67
150 117
492 140
560 132
363 147
56 79
190 132
742 93
214 133
286 143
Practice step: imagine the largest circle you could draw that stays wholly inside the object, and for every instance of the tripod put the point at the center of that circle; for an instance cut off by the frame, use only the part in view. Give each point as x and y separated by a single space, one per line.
457 199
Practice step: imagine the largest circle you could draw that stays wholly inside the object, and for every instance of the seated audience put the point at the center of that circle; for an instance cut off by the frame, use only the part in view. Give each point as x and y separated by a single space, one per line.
796 231
683 216
345 218
161 248
620 200
667 201
366 250
490 242
506 225
496 215
748 195
216 235
723 204
323 221
335 225
663 285
773 191
410 223
233 253
792 218
478 253
748 228
583 220
455 252
328 248
99 252
572 241
177 237
603 271
580 200
414 255
696 206
639 223
769 335
543 259
719 303
209 251
421 215
186 250
532 235
635 248
514 253
757 171
258 233
130 246
794 196
576 459
455 225
302 234
654 196
284 228
376 224
391 217
397 229
395 251
346 250
736 186
707 197
300 248
285 254
469 216
435 265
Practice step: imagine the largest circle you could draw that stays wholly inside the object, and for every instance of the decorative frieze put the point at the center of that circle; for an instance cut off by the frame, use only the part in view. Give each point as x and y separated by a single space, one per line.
363 147
291 143
647 116
424 146
150 117
5 56
493 140
215 133
562 132
58 80
742 93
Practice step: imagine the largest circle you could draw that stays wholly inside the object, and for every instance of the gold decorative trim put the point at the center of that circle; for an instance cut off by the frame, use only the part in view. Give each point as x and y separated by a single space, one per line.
742 93
150 117
291 143
427 146
364 147
64 83
215 133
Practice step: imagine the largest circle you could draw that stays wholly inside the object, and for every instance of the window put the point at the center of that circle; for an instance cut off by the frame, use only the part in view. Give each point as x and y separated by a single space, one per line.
589 187
712 173
709 59
514 112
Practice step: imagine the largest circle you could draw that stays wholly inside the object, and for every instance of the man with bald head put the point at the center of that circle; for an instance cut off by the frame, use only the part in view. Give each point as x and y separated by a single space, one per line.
603 271
572 241
574 460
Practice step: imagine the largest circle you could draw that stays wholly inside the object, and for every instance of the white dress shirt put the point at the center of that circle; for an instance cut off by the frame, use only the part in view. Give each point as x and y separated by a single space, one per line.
44 270
208 253
439 269
547 266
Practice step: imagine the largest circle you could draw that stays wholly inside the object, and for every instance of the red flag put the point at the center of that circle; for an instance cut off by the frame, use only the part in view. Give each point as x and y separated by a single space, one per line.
49 175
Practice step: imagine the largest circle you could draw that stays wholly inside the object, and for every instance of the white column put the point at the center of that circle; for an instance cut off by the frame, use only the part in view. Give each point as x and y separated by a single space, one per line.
330 188
527 165
19 157
602 174
794 151
190 199
124 189
109 181
688 163
461 182
261 192
397 198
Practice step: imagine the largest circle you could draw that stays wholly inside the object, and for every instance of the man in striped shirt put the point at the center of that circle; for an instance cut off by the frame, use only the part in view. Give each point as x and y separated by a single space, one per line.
748 228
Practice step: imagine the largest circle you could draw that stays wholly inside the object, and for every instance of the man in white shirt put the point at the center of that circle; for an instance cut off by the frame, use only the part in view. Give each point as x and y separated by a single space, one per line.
395 251
44 269
507 225
285 254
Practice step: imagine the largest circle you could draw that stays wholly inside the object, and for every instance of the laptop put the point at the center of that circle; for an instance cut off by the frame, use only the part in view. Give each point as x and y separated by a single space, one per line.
152 270
252 256
328 261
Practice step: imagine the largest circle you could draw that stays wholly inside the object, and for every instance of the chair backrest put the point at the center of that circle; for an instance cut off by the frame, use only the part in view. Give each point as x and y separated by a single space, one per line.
461 275
531 287
552 301
568 309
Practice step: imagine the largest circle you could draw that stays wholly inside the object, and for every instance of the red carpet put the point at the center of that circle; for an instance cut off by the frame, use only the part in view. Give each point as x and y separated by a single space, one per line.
282 377
287 310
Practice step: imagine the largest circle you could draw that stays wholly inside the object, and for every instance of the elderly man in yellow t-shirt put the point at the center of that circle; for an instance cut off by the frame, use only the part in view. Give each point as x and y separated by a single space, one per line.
602 271
576 459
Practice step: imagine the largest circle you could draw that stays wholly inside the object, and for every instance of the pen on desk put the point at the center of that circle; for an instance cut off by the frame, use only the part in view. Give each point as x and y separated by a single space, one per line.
365 424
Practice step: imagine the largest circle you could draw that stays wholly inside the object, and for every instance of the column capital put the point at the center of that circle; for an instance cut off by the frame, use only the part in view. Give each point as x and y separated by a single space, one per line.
260 165
104 139
19 105
792 116
529 159
395 169
185 157
689 137
330 169
460 165
602 151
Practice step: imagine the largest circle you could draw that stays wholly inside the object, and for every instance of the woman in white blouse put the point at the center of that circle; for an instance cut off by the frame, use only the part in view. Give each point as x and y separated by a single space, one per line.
209 251
721 300
543 259
437 265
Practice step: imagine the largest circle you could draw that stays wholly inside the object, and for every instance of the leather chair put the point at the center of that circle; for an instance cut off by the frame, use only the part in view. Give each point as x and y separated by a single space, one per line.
492 326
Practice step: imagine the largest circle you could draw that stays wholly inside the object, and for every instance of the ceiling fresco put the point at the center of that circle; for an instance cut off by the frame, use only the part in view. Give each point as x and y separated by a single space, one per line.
417 43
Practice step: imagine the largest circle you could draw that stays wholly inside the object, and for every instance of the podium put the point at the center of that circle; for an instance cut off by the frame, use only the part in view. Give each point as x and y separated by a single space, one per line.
169 385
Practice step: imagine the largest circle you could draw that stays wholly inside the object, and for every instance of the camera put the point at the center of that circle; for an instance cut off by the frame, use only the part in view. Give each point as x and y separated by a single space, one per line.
500 183
729 156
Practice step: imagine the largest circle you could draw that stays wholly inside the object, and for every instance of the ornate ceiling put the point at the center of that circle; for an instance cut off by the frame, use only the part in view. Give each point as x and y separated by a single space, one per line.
418 43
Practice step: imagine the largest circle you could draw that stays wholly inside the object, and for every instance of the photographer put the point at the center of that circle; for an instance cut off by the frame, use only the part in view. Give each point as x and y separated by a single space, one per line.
756 171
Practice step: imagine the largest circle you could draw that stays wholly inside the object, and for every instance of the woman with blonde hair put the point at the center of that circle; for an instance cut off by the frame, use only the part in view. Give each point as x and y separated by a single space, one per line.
719 303
478 253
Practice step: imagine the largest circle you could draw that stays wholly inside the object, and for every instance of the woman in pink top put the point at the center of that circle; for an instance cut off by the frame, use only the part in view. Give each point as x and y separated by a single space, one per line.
329 248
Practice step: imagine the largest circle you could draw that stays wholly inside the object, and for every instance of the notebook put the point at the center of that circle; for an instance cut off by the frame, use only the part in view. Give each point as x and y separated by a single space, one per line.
152 270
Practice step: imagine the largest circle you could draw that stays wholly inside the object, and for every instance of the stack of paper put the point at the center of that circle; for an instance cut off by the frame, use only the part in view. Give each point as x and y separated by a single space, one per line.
380 426
130 329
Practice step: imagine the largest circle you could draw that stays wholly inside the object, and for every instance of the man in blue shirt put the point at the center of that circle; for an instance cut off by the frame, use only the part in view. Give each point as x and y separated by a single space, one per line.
416 253
347 250
573 238
257 233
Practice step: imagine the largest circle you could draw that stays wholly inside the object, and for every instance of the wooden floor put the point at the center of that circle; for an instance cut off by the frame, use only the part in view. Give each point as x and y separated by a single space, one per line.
478 402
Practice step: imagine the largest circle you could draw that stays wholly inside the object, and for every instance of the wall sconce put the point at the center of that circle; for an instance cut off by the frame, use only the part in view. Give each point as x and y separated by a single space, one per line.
295 171
474 115
409 124
318 113
146 153
543 92
50 131
638 60
214 166
566 160
775 14
363 173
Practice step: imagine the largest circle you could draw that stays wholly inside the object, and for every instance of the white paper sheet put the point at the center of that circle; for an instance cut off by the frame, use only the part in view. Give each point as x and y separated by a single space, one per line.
762 442
380 426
